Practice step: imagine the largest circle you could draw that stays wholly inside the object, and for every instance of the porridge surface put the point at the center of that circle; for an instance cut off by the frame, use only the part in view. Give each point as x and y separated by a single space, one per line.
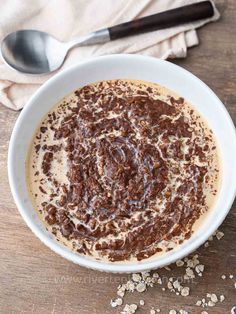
123 170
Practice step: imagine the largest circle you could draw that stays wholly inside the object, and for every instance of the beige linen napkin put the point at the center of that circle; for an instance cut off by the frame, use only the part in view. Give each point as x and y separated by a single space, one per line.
66 19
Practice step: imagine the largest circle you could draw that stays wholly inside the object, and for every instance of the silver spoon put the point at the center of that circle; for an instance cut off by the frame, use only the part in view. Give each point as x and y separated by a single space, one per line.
36 52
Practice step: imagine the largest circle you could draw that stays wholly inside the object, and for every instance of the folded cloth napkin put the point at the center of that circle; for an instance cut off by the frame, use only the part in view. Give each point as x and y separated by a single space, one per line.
66 19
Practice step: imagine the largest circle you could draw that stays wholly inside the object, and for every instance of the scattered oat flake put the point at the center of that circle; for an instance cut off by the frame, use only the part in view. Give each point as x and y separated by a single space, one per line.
130 285
169 285
141 302
167 268
214 298
210 238
210 303
222 297
176 285
190 273
136 277
185 291
120 293
145 275
159 281
113 303
219 235
190 263
129 309
199 268
141 287
152 311
119 301
133 307
179 263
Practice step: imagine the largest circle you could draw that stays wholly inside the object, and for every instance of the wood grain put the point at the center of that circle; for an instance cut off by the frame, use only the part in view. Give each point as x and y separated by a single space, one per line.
35 280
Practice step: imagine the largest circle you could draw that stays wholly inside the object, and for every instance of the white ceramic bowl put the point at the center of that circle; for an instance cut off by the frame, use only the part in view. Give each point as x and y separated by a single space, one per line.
129 67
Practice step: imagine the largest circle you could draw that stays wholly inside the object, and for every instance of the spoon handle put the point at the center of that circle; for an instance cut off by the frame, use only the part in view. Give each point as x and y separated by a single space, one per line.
166 19
170 18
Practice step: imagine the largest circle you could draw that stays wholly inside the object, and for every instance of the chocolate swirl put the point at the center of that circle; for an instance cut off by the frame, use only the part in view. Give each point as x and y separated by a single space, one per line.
138 165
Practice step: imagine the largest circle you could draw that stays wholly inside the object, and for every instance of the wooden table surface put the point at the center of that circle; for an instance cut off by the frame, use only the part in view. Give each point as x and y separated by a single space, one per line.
33 279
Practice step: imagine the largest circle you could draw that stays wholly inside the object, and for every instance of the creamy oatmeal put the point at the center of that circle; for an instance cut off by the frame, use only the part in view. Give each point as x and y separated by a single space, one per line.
122 170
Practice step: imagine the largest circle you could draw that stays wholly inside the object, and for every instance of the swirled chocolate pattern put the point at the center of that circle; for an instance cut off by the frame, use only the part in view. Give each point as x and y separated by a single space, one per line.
122 170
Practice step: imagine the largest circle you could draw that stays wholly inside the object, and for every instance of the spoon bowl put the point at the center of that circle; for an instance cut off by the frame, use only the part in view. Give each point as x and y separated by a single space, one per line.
33 52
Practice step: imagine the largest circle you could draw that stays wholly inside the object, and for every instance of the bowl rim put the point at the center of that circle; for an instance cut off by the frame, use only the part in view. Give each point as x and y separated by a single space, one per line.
92 263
